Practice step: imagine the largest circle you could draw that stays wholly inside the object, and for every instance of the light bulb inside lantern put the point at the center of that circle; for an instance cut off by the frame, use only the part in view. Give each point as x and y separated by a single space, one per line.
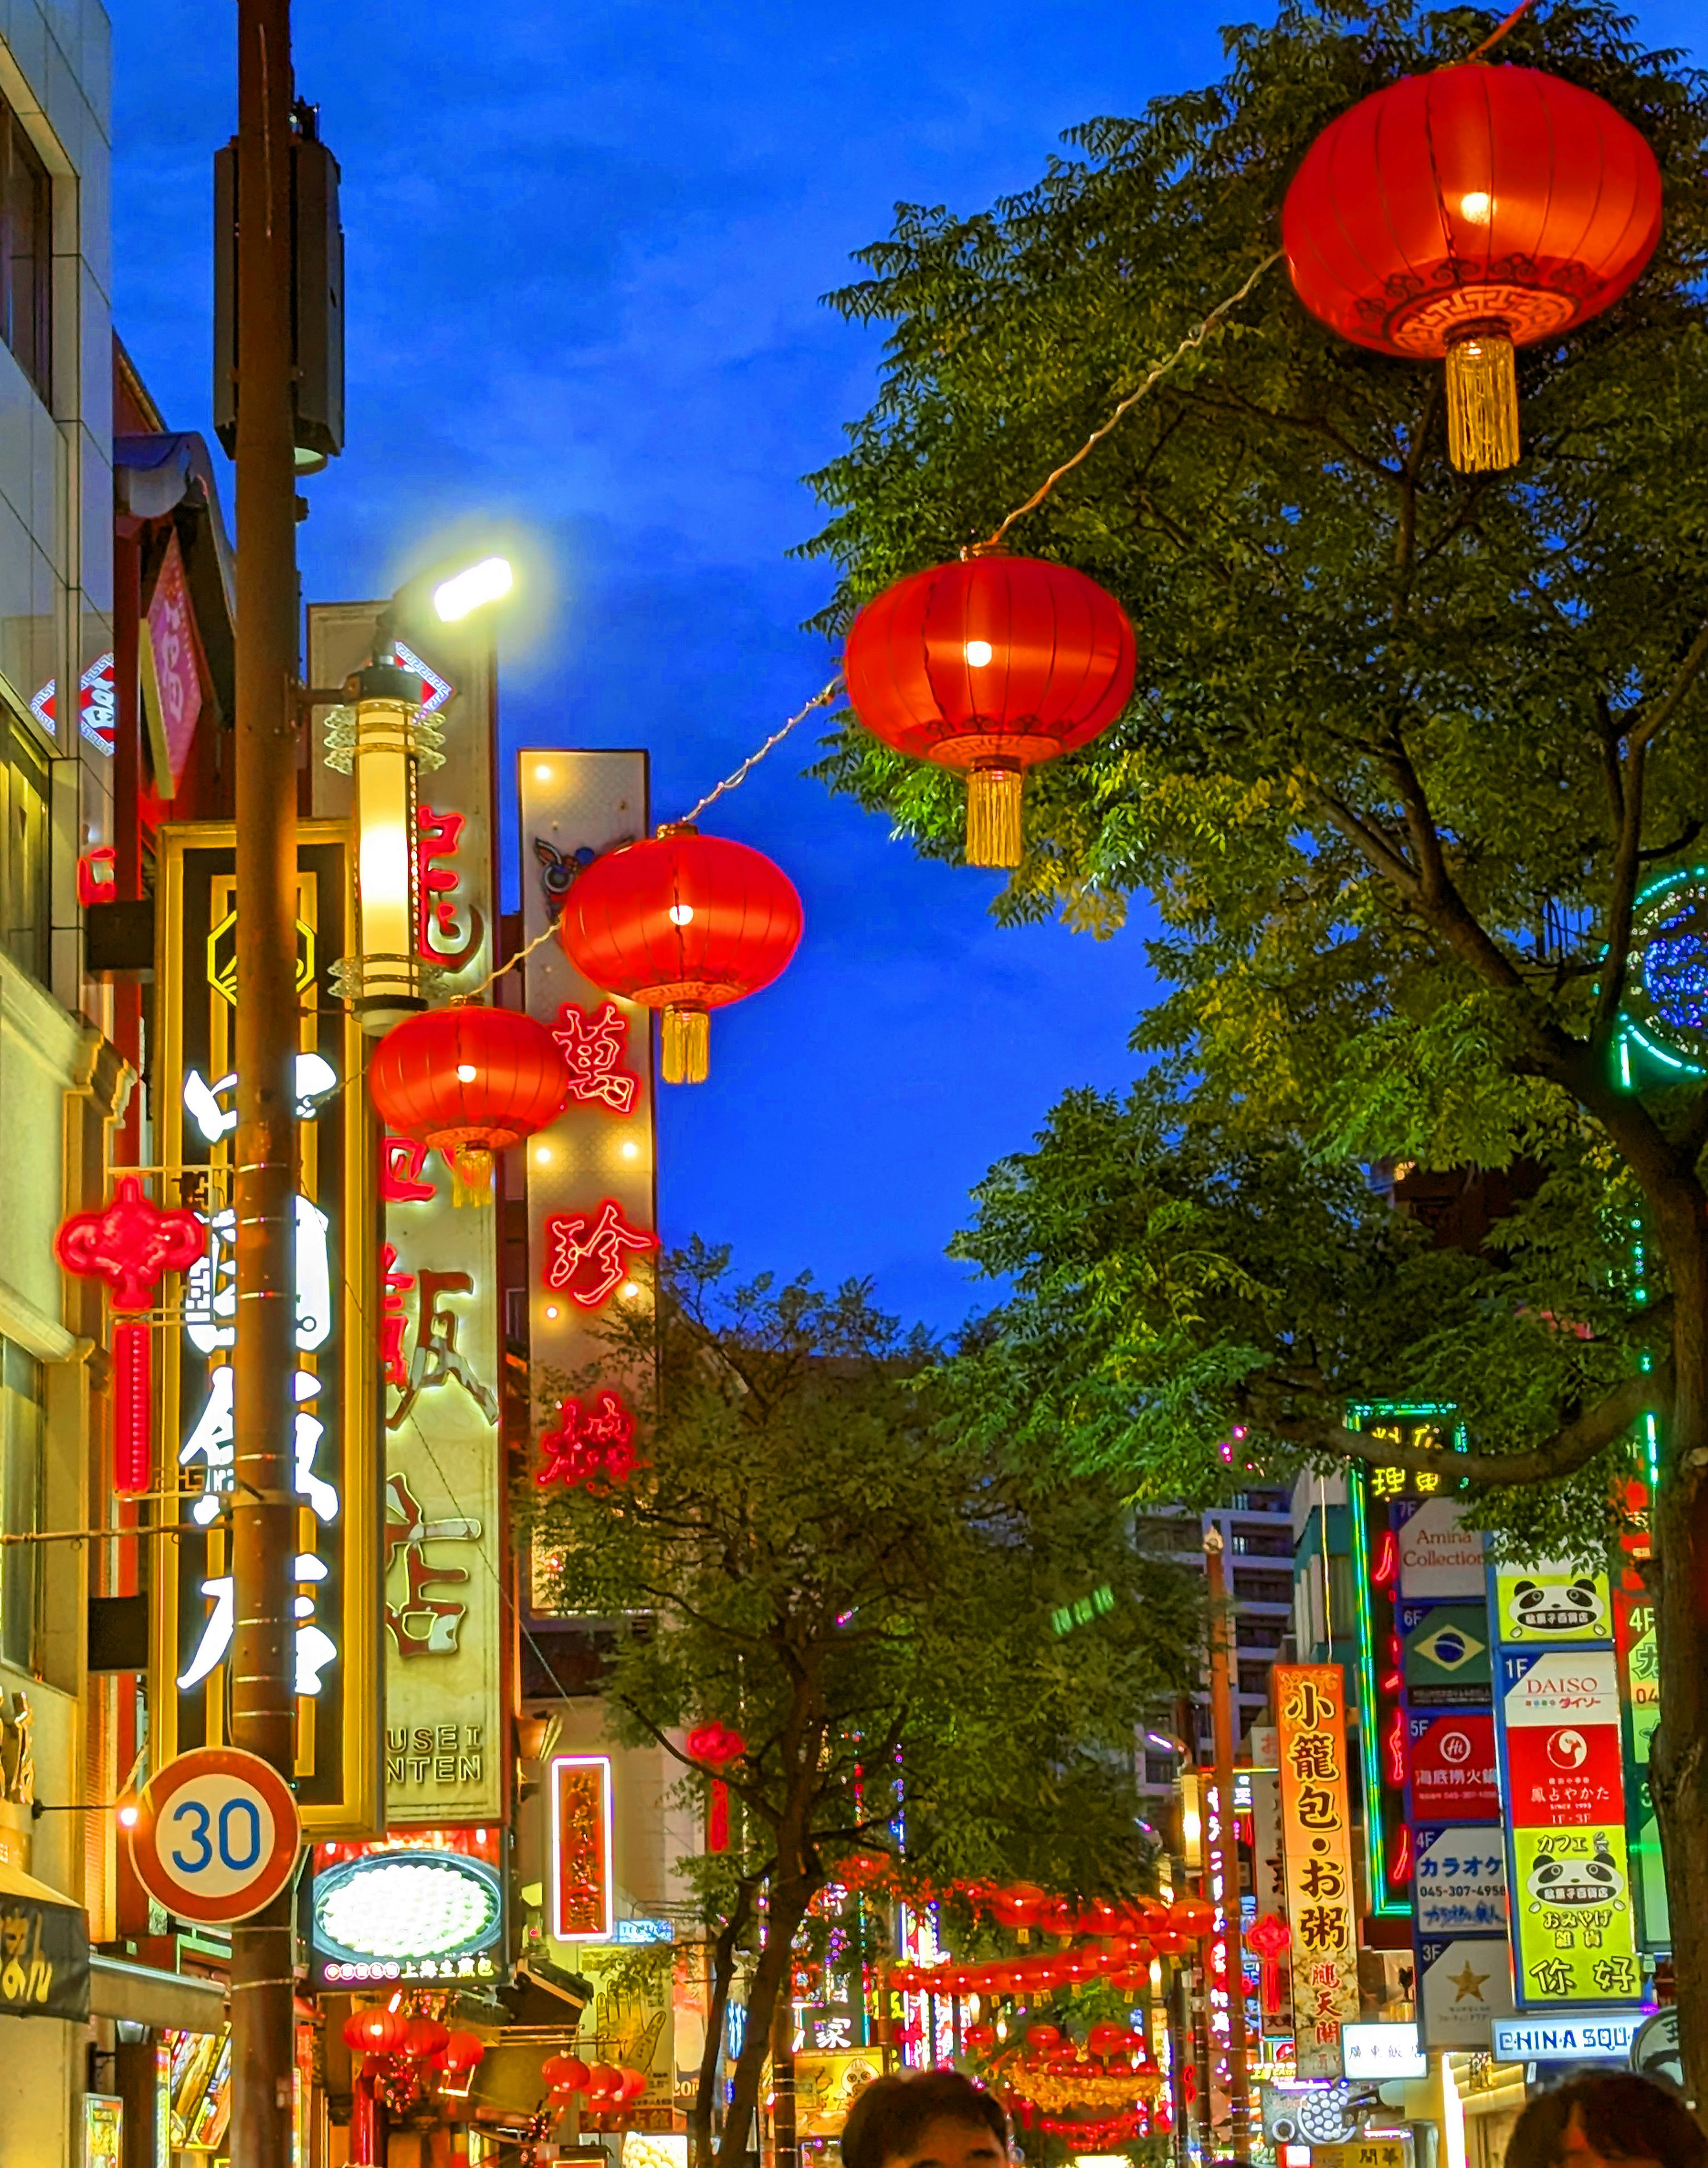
466 1072
681 914
1477 205
979 652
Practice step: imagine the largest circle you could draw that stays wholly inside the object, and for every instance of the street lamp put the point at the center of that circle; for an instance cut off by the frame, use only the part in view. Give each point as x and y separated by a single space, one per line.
379 736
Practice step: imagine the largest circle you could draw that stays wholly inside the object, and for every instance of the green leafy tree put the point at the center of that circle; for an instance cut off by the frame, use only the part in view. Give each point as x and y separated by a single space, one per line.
810 1564
1405 748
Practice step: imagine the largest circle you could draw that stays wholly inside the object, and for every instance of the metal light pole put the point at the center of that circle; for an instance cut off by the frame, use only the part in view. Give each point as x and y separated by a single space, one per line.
1227 1844
264 1512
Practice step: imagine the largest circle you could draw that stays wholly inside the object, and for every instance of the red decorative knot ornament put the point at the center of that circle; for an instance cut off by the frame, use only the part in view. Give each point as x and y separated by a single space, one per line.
684 924
594 1445
991 665
717 1745
468 1081
130 1246
1466 213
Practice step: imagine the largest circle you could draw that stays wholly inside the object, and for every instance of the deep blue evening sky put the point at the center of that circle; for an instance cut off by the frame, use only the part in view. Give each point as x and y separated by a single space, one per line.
585 248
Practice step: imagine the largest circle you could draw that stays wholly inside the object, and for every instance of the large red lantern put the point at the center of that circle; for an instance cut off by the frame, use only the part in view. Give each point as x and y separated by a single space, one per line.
468 1081
990 666
686 923
1465 213
376 2031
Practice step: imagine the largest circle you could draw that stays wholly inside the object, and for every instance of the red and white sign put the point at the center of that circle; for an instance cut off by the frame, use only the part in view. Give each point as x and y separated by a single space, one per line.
175 682
1453 1767
217 1836
1564 1766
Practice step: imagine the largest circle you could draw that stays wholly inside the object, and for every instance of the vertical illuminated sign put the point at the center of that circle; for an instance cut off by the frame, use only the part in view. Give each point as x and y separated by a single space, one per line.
592 1219
435 1329
337 1537
582 1821
1317 1826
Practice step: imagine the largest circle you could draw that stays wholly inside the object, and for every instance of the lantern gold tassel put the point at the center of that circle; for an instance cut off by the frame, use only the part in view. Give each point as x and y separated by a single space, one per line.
993 814
687 1045
1483 401
472 1166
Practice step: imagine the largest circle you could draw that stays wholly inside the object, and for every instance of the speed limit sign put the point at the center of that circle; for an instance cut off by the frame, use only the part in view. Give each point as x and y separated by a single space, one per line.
217 1836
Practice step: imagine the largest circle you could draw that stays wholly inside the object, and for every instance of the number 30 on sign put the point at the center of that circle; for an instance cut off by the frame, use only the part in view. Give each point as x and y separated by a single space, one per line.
217 1836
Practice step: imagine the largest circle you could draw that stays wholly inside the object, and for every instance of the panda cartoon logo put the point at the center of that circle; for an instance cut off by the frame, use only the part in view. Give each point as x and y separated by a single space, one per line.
1572 1607
1576 1883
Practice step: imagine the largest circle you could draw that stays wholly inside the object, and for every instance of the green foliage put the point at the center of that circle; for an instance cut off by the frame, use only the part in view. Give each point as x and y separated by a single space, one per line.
804 1557
1404 745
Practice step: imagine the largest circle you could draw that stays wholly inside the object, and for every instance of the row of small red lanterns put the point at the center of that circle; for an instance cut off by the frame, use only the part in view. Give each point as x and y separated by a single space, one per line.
384 2033
603 2088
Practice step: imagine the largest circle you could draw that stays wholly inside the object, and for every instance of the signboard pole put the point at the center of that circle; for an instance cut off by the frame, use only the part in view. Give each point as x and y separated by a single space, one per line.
1227 1865
264 1502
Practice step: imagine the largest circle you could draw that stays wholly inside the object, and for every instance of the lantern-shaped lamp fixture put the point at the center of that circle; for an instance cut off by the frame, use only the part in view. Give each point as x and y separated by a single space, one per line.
990 666
382 741
1464 213
683 924
468 1081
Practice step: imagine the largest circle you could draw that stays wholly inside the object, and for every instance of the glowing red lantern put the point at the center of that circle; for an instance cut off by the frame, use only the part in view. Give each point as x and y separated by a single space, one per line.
1106 2037
990 666
376 2031
468 1081
630 2084
424 2037
565 2073
1042 2036
981 2039
1018 1906
603 2087
1464 213
1192 1915
461 2052
686 923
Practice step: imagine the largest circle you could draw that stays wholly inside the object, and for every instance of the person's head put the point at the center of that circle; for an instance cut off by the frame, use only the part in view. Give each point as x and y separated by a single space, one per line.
925 2119
1616 2117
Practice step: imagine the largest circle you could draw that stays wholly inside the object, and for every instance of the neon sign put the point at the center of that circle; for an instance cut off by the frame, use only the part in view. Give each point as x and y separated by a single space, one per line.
586 1260
582 1909
438 836
593 1046
592 1445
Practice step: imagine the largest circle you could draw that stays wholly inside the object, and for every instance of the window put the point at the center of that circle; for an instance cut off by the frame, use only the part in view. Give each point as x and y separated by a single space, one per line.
24 815
26 254
20 1503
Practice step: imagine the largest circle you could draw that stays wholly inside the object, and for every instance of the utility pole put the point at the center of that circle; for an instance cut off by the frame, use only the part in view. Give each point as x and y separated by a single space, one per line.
263 1510
1227 1844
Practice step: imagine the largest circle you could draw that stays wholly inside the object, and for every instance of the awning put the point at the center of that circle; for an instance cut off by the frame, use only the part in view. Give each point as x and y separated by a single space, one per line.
44 1950
166 2000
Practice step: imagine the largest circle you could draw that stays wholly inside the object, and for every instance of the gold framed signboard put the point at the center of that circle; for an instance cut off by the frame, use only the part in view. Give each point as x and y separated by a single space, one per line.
336 1383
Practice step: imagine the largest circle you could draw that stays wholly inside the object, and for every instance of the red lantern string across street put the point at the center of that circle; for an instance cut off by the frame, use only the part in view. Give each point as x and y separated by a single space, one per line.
684 924
1465 213
468 1081
990 666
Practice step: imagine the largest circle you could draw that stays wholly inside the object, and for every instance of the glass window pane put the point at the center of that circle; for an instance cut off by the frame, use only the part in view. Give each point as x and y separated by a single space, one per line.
21 1442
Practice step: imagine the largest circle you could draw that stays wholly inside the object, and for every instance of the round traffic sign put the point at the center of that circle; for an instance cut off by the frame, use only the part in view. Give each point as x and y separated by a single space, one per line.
1655 2052
217 1836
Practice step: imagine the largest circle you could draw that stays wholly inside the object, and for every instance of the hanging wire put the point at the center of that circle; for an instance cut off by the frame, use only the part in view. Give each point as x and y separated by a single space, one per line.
822 698
1500 30
492 977
1192 340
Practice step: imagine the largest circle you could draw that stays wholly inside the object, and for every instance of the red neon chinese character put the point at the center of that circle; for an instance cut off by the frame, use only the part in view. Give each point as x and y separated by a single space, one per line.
587 1261
129 1245
1387 1560
1395 1745
400 1161
593 1046
594 1445
439 836
394 1320
1400 1868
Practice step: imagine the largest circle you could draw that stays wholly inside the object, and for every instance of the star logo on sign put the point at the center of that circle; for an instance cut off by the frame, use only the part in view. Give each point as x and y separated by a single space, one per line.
1468 1983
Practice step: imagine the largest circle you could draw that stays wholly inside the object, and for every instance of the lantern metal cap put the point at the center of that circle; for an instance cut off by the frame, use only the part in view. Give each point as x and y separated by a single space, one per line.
384 680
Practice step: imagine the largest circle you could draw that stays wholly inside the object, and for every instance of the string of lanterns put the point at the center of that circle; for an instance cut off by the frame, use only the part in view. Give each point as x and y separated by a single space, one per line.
1455 215
603 2088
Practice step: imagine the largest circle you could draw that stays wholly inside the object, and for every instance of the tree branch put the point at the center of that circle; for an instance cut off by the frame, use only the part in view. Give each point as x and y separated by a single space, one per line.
1688 670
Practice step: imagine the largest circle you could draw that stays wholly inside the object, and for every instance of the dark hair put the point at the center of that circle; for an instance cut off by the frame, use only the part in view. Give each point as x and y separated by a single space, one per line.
1624 2118
890 2113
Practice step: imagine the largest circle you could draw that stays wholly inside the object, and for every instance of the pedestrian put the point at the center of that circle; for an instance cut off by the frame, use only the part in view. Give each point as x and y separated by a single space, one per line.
1616 2117
925 2119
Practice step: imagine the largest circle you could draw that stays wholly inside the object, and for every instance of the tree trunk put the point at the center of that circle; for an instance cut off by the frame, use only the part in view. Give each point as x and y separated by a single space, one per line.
723 1973
1678 1756
787 1907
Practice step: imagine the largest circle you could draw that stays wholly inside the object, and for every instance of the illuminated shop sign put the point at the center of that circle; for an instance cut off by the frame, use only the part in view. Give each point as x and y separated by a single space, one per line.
426 1907
581 1848
336 1558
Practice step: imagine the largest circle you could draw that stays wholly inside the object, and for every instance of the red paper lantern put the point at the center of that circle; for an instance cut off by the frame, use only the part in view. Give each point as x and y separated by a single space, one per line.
990 666
376 2031
1106 2037
1463 214
979 2038
424 2037
1041 2036
461 2052
1193 1915
603 2086
468 1081
686 923
630 2084
1018 1906
565 2073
